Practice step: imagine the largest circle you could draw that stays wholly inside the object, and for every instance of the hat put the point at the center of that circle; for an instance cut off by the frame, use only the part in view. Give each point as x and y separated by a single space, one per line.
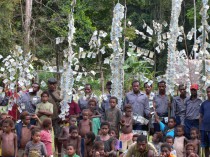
194 86
52 80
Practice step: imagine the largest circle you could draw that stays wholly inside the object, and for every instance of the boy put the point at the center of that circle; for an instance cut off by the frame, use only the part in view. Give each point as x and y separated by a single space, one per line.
126 127
8 139
44 109
70 152
89 141
190 150
165 150
35 147
98 149
204 122
170 140
113 114
85 125
167 130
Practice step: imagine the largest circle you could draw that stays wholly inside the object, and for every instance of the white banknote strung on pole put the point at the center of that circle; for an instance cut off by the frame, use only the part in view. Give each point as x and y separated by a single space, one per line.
140 119
140 132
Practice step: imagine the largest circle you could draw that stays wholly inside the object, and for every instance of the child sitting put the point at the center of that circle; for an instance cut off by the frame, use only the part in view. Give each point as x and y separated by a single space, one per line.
89 141
166 150
190 150
170 140
156 141
71 151
195 139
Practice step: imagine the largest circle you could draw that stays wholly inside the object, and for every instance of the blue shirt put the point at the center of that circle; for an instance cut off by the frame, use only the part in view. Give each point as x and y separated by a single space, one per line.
167 132
192 108
161 105
205 112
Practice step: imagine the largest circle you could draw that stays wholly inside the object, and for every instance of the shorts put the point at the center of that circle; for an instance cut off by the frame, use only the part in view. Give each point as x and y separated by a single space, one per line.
205 138
21 152
126 140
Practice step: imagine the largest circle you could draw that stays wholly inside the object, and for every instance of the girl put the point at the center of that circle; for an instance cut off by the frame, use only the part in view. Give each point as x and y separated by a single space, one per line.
71 151
109 144
179 141
46 136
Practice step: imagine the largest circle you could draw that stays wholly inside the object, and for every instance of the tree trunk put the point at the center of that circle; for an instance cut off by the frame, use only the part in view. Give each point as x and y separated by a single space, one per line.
27 24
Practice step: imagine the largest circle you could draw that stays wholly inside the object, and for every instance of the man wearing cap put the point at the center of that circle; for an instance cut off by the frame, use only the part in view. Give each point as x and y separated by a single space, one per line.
192 110
54 98
178 107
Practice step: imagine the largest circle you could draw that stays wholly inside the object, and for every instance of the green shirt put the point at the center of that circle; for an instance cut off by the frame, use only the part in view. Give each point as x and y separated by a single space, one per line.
44 107
75 155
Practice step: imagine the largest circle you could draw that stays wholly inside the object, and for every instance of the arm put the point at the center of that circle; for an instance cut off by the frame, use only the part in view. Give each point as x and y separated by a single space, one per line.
150 153
26 151
79 145
44 150
146 107
43 112
90 125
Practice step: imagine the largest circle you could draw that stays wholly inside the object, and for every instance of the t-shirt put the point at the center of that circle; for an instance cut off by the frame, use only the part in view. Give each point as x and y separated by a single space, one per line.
44 107
113 115
35 149
205 111
46 138
167 132
75 155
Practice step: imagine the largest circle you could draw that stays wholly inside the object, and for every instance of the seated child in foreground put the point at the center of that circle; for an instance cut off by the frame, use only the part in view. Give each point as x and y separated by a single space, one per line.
166 150
89 142
98 148
170 140
190 150
195 139
71 151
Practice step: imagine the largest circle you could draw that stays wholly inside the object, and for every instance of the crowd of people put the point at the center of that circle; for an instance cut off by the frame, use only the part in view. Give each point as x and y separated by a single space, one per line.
171 127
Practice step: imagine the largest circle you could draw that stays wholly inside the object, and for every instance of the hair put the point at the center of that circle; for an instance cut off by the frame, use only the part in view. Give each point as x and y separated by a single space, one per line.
109 83
9 122
113 129
169 137
71 145
180 126
161 82
36 84
165 145
71 128
85 110
72 117
4 114
146 84
34 131
190 145
92 100
194 129
45 92
46 123
113 97
105 123
135 81
88 85
90 135
142 138
97 145
159 135
135 135
174 119
208 88
181 85
127 106
23 115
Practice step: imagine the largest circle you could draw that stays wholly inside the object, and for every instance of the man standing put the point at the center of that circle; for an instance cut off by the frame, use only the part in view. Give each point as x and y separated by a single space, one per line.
192 110
161 104
178 107
139 102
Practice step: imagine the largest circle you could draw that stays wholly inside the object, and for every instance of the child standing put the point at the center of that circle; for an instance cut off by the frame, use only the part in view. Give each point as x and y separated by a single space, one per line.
194 139
180 141
71 151
113 114
46 136
35 147
170 140
126 127
85 125
89 141
156 141
8 139
98 149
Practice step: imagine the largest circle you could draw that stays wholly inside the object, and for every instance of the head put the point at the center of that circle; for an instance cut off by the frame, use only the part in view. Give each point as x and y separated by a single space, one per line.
52 84
105 127
194 133
35 87
208 92
109 86
3 116
70 150
73 131
169 140
171 122
113 132
99 147
44 96
85 114
72 121
89 137
88 89
157 136
162 87
113 101
7 125
35 135
135 86
165 150
148 88
141 143
182 90
25 117
190 148
134 138
92 104
193 90
47 124
128 110
180 130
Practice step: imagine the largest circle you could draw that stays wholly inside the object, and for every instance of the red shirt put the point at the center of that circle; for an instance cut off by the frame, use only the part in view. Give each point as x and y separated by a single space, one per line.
74 108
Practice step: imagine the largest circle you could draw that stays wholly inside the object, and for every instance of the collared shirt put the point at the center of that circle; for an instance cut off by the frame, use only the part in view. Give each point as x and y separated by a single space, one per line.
161 104
192 108
205 112
178 107
105 103
44 107
139 102
83 101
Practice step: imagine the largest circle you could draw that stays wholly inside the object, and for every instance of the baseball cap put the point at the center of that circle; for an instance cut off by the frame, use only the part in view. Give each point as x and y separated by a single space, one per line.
194 86
52 80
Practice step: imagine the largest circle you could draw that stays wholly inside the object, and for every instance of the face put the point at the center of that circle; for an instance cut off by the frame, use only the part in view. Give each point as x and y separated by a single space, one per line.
112 103
27 119
182 91
70 150
104 130
72 121
162 87
74 134
208 93
87 89
128 112
109 88
193 92
148 88
141 146
179 132
169 141
36 137
134 139
193 134
52 86
171 123
112 133
85 115
6 128
35 87
189 150
92 105
135 87
101 151
45 98
154 138
165 152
